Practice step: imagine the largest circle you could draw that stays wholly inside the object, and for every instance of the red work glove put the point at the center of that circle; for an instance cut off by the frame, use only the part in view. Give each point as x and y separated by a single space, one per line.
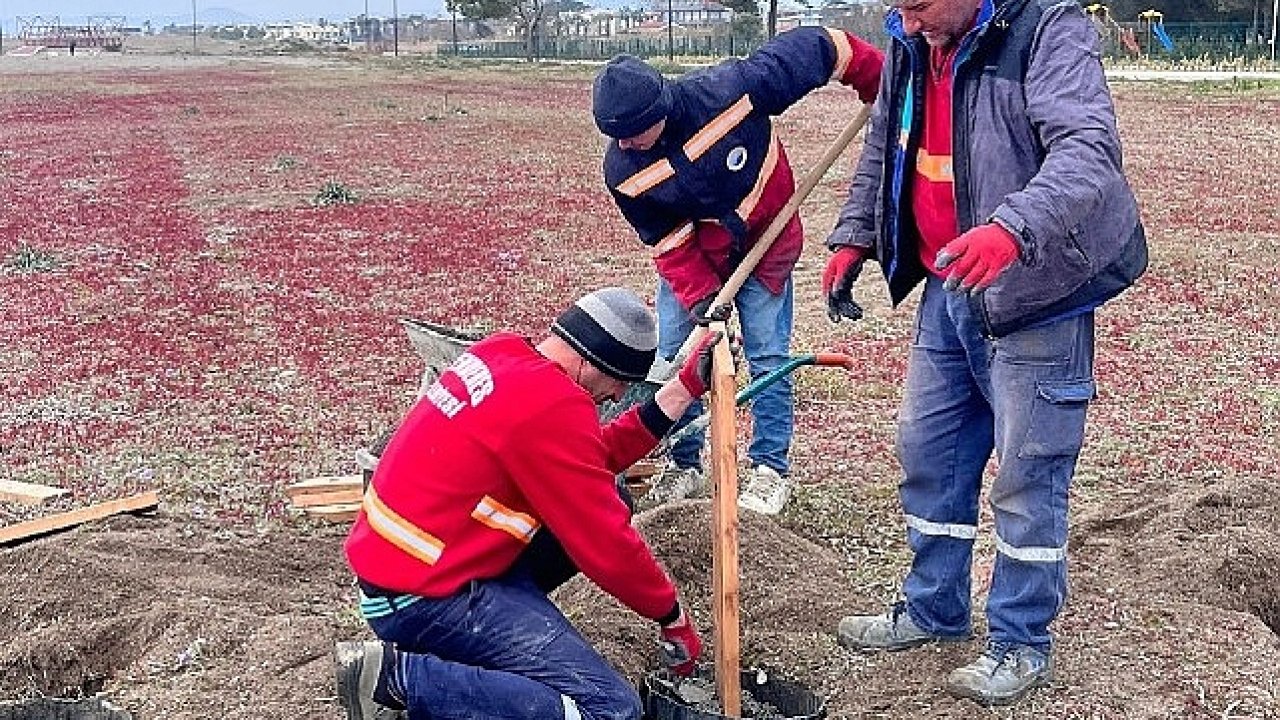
681 645
843 267
977 257
695 374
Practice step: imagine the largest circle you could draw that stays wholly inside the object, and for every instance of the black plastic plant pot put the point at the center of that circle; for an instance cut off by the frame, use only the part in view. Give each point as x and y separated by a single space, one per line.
765 696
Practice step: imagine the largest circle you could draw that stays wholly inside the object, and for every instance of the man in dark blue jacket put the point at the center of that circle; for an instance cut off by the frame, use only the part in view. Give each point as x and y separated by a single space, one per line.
991 175
698 170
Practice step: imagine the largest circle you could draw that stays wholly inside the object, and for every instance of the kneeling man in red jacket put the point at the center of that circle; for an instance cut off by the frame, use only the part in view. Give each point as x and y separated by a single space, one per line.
504 448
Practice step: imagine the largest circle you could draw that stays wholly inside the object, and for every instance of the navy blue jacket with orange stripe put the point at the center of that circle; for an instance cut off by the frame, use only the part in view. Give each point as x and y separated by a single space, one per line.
718 175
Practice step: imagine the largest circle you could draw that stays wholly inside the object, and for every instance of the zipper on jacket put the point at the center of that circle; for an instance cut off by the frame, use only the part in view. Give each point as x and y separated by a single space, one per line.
960 116
913 97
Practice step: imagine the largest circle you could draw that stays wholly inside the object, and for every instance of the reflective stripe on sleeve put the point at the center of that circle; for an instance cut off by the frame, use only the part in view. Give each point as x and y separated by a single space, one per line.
647 178
712 132
926 527
844 52
673 240
398 531
500 517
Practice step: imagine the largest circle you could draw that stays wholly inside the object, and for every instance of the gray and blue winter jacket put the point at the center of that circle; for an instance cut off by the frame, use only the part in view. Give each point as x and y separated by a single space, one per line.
1034 146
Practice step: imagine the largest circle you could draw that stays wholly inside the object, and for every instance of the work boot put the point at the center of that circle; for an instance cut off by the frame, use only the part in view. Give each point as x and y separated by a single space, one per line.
765 491
894 630
364 672
675 483
1002 675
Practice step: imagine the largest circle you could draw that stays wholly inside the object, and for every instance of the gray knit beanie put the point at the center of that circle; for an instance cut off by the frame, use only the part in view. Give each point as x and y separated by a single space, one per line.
613 330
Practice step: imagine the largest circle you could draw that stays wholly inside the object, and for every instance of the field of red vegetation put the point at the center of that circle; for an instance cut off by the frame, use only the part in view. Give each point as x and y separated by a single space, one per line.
203 263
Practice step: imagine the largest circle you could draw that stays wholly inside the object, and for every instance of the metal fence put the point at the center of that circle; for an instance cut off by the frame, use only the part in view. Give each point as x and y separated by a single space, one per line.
580 48
1214 41
1218 40
867 23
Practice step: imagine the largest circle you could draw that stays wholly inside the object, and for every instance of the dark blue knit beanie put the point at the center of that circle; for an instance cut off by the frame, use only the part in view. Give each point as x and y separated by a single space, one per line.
629 97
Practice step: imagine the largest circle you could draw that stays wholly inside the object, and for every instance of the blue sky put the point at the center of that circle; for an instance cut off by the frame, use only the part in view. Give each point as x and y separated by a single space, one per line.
134 11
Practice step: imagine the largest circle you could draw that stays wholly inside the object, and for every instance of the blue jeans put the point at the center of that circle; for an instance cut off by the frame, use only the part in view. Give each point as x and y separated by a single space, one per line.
500 649
765 319
1024 396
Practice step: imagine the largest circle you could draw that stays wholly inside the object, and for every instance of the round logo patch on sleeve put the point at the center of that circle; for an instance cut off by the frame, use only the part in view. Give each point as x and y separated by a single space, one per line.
737 159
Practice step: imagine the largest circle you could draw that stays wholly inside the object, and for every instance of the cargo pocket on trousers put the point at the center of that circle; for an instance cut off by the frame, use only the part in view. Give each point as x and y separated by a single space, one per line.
1056 427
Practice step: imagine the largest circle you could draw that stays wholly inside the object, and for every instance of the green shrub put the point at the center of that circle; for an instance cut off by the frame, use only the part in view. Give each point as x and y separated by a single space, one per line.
334 193
32 260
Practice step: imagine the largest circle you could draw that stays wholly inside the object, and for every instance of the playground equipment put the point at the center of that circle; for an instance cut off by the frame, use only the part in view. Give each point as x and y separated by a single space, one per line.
1153 22
1114 35
103 32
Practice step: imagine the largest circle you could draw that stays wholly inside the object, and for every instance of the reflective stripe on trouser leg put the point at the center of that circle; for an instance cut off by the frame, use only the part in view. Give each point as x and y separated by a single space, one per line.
944 441
1042 382
674 326
766 341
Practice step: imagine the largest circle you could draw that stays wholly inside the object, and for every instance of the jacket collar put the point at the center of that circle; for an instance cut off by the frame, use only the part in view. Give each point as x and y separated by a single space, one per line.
990 10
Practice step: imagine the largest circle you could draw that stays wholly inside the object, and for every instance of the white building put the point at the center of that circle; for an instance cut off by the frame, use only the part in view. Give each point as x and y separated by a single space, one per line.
309 32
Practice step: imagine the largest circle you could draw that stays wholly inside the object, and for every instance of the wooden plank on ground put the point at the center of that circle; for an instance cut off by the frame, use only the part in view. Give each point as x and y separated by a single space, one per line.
724 523
335 513
27 493
61 521
347 496
325 484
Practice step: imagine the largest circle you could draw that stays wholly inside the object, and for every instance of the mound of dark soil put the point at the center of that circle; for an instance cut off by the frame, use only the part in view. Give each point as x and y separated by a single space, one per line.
792 592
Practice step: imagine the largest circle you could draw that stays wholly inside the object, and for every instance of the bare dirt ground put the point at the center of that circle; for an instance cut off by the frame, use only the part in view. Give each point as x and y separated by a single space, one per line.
180 315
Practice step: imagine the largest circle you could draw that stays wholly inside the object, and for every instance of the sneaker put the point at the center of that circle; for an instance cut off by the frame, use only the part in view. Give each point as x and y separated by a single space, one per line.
359 667
765 491
675 483
894 630
1002 675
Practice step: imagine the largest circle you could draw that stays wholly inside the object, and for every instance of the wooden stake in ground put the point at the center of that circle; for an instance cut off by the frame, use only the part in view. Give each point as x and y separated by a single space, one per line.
61 521
724 520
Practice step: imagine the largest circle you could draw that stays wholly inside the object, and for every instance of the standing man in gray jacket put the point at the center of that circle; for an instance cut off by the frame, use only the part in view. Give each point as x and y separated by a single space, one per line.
991 175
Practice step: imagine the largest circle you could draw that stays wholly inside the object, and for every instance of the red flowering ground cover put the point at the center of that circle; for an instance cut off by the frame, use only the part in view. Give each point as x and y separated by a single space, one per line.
182 312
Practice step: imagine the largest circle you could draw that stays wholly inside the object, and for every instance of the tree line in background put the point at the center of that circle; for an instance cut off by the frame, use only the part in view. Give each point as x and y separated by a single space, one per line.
532 16
1254 12
754 19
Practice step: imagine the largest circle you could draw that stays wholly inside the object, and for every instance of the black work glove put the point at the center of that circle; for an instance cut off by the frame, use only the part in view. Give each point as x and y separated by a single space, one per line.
703 313
699 309
843 267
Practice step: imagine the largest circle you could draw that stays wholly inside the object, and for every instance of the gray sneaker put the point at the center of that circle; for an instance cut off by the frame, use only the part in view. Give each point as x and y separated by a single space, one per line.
1002 675
675 483
358 666
765 491
894 630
